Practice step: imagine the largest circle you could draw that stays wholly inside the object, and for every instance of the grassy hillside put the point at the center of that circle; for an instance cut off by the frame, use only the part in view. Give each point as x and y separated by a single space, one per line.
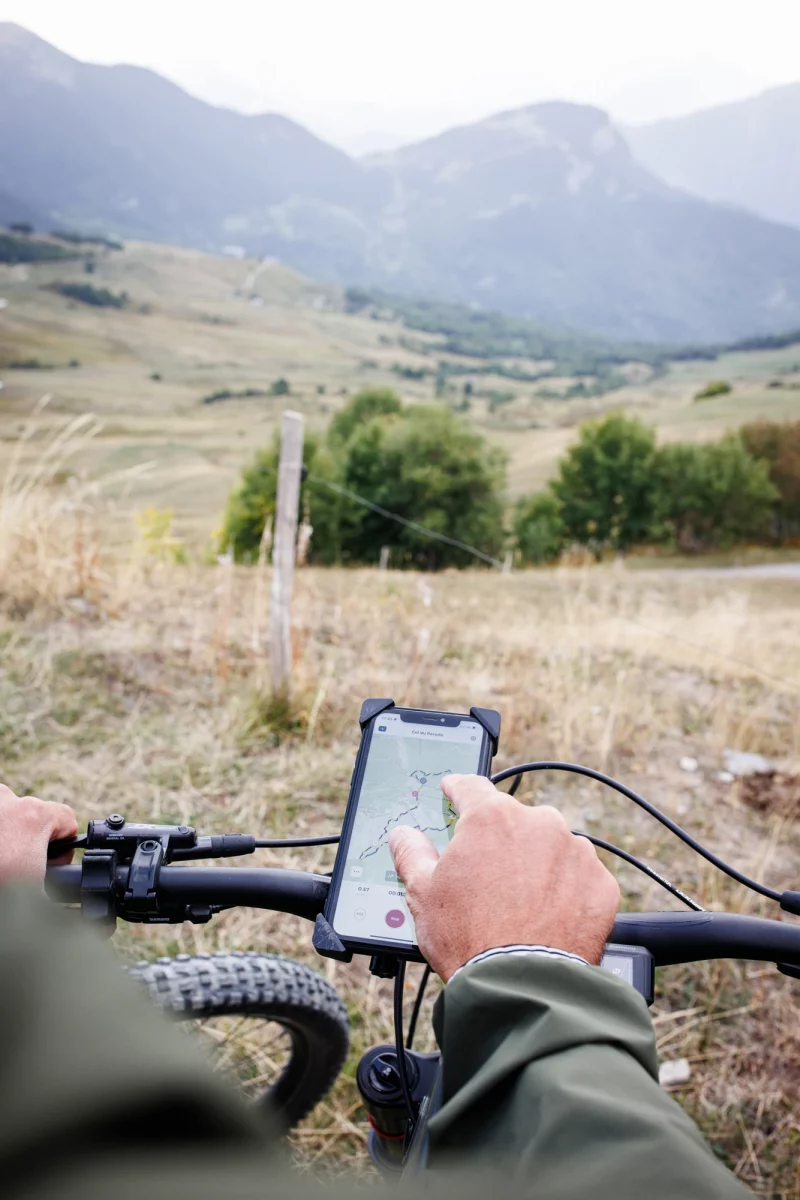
195 324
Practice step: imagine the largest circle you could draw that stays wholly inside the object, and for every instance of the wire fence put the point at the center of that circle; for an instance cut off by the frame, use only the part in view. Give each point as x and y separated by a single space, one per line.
384 512
494 562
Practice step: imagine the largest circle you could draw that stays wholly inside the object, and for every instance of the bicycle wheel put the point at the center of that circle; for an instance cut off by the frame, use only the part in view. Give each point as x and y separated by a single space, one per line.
277 1025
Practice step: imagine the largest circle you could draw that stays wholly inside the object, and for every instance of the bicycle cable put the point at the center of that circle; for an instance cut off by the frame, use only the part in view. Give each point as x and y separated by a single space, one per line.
667 822
643 867
277 843
412 1025
400 1050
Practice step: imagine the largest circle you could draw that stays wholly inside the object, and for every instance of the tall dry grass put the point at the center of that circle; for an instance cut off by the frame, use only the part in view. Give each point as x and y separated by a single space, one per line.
149 696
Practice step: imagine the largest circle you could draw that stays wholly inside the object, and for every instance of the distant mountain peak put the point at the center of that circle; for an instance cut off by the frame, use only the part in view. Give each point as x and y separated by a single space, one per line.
21 48
536 155
742 153
541 211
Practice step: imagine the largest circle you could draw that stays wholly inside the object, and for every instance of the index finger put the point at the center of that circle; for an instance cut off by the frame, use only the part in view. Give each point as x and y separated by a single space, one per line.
467 792
61 822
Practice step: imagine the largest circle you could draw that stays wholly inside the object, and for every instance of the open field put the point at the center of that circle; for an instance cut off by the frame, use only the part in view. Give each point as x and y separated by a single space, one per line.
200 323
135 684
128 681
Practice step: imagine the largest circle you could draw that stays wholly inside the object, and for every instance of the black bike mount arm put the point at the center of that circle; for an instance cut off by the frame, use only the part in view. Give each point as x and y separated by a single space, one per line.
373 708
489 719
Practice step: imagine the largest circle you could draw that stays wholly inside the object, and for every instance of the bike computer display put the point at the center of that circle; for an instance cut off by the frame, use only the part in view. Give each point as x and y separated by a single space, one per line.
404 756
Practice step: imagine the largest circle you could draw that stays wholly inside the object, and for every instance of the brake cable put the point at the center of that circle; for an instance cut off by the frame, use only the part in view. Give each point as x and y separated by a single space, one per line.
276 843
666 821
400 1050
643 867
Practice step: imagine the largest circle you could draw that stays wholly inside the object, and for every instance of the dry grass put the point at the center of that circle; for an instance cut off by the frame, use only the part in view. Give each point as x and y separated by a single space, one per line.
133 684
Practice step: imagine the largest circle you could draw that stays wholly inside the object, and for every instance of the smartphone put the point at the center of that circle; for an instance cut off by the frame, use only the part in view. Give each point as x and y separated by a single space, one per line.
404 755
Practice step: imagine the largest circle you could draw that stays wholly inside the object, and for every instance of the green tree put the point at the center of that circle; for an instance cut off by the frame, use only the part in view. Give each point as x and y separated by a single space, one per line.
422 463
279 387
429 466
539 528
711 495
366 404
778 444
605 483
252 504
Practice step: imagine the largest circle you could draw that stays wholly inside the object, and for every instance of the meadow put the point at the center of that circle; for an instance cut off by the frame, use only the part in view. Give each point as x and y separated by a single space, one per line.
129 682
134 682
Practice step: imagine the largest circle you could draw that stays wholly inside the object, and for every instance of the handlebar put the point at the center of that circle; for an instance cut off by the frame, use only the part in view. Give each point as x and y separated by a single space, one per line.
296 892
672 937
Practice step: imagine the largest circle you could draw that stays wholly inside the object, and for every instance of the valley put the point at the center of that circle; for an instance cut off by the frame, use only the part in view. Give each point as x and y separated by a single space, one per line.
197 324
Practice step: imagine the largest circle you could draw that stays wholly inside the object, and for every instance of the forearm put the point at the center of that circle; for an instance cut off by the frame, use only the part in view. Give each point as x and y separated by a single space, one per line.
550 1073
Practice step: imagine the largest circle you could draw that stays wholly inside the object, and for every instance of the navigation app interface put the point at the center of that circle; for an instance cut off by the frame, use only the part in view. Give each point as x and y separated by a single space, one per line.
401 786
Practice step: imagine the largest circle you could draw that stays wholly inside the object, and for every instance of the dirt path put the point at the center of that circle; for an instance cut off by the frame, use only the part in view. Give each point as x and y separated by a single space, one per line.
785 570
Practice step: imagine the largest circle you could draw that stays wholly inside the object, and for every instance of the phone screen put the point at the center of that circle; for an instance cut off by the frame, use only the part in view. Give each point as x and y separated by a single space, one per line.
401 785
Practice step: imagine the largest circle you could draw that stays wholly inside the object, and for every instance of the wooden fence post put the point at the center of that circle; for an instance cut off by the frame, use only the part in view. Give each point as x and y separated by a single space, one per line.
283 552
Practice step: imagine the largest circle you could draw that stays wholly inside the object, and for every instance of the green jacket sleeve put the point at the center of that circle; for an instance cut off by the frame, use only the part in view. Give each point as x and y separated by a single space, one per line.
99 1094
550 1071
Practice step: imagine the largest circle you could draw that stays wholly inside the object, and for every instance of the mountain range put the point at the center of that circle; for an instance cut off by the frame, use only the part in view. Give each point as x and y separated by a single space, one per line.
542 211
746 153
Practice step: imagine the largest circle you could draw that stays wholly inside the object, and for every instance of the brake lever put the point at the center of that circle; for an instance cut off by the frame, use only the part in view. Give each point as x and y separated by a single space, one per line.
61 846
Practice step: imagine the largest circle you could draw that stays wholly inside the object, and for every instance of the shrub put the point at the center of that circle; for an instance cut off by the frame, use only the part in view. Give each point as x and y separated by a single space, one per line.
86 293
710 495
28 364
81 239
279 387
605 484
777 443
410 372
156 539
30 250
231 394
715 387
539 528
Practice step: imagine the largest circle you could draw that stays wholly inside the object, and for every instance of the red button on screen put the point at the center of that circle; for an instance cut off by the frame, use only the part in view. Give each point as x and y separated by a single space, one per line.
395 918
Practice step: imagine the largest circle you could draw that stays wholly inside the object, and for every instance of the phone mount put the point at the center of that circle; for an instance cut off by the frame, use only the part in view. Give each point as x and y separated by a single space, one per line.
324 940
487 718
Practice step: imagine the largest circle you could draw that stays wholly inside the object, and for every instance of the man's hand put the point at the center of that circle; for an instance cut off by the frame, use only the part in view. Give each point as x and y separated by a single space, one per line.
27 826
511 875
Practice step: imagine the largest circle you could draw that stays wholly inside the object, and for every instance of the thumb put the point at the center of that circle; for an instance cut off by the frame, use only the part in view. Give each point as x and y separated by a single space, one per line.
415 857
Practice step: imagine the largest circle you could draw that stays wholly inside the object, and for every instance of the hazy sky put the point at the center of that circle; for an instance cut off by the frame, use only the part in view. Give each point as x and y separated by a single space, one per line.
350 68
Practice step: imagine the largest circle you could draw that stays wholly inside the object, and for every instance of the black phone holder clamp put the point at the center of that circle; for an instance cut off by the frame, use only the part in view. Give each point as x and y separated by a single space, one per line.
487 718
328 944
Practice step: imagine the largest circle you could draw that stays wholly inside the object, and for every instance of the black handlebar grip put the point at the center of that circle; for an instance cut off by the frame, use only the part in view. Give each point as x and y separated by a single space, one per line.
61 846
675 937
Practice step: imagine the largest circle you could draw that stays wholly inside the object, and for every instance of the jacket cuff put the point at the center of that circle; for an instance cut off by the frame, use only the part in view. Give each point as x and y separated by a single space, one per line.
495 951
499 1015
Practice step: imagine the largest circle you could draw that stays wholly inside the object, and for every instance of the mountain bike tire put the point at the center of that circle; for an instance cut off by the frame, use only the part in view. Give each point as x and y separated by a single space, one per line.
269 988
